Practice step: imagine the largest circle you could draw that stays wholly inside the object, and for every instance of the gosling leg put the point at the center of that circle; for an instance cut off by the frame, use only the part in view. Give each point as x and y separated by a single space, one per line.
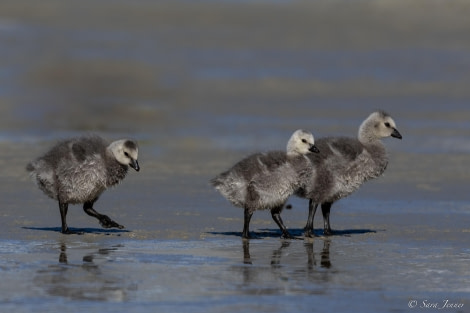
312 208
276 215
104 220
63 207
246 224
325 209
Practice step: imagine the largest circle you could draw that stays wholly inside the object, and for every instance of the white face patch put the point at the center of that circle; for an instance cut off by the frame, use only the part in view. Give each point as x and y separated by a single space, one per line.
300 142
124 152
376 126
387 127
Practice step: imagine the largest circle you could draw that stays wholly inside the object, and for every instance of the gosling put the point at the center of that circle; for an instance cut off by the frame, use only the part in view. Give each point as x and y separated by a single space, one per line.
344 164
78 170
266 180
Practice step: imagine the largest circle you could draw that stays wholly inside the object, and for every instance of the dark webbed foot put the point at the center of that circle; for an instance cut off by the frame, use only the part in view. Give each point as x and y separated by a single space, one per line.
250 236
287 235
71 232
67 231
309 233
106 222
327 232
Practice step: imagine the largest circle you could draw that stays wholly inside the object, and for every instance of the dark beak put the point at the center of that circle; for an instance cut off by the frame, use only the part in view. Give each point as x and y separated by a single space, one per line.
135 165
313 148
396 134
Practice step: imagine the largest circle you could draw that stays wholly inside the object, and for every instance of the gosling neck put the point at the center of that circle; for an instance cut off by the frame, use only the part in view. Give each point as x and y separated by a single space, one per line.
366 134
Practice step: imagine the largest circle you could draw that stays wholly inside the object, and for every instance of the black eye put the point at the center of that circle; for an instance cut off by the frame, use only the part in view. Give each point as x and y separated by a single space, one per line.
387 124
126 154
304 140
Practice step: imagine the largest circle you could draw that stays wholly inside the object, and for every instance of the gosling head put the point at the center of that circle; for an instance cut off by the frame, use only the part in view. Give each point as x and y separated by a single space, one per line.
125 151
301 142
377 126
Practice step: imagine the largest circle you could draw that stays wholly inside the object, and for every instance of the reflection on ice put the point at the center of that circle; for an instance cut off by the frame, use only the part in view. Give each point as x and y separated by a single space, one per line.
287 270
85 280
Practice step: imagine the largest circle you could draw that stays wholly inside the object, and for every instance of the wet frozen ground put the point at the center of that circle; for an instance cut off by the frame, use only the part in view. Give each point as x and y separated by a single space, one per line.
356 272
185 253
200 85
226 275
